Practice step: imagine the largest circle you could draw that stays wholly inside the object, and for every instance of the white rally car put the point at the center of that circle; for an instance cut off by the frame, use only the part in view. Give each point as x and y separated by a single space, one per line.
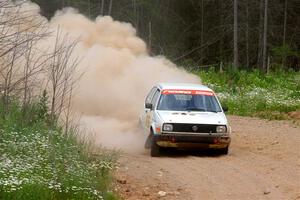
184 116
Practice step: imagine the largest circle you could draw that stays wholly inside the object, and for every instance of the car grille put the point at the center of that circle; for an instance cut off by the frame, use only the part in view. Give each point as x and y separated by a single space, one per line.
201 128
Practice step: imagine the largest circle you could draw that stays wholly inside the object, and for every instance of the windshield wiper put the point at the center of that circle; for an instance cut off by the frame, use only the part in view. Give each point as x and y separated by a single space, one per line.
200 109
195 109
212 111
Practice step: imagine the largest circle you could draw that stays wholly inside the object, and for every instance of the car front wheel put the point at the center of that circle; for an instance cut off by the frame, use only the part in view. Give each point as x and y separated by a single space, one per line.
148 142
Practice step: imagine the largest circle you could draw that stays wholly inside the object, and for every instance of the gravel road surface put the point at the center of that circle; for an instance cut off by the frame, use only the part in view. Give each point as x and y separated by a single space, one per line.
263 163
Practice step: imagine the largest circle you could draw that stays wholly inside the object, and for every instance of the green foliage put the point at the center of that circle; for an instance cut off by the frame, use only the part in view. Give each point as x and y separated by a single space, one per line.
284 51
253 93
42 108
38 161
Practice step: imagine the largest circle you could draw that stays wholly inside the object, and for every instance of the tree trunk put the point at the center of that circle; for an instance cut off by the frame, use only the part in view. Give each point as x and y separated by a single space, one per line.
89 8
247 34
150 36
235 36
284 22
222 15
260 32
136 17
284 31
202 31
102 8
264 58
110 7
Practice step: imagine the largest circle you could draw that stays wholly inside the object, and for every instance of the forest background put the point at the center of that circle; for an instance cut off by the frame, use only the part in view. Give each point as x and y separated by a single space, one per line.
249 34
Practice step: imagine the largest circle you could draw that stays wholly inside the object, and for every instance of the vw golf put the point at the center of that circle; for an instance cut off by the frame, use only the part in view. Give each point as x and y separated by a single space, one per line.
184 116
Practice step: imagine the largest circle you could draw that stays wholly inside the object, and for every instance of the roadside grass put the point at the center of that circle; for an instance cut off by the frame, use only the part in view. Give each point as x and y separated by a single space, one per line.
252 93
39 161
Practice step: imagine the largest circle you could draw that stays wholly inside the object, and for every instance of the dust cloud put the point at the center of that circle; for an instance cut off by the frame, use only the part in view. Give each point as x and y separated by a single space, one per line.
117 75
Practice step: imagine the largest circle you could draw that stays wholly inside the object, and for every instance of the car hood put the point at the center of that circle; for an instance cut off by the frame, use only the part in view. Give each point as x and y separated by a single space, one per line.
192 117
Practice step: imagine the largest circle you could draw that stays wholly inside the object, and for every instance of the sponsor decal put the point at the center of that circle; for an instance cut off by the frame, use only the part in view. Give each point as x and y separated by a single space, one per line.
195 128
192 92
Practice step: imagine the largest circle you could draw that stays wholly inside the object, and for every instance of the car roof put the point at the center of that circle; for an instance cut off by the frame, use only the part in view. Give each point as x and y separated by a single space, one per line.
182 86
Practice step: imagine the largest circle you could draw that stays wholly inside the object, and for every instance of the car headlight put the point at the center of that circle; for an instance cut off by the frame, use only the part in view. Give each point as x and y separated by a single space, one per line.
221 129
168 127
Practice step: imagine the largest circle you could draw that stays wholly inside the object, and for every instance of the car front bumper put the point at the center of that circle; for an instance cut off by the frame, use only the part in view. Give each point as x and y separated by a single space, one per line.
192 140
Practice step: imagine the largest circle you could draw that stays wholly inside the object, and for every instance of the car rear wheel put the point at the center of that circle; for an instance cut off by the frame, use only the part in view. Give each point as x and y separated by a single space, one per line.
155 149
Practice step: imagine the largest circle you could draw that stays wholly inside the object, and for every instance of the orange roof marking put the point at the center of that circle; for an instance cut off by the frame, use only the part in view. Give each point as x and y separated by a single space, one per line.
192 92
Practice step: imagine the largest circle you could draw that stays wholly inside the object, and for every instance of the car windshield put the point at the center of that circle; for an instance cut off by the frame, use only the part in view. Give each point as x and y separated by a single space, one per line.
189 102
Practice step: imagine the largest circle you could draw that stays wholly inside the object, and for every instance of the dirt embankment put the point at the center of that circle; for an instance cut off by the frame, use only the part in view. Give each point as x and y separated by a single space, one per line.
263 163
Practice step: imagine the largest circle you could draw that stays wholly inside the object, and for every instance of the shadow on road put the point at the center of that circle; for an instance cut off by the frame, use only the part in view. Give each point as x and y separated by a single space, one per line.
170 152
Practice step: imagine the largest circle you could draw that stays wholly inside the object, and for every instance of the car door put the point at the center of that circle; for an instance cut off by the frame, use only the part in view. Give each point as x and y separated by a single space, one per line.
150 112
145 112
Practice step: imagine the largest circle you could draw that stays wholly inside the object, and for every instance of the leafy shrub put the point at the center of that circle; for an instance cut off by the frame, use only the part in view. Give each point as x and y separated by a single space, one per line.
38 161
253 93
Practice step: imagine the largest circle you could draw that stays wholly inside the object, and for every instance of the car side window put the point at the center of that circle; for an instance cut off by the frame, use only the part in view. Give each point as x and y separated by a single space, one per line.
155 97
150 95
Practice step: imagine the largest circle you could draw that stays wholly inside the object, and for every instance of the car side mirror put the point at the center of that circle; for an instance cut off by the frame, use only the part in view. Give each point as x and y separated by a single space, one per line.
225 108
149 106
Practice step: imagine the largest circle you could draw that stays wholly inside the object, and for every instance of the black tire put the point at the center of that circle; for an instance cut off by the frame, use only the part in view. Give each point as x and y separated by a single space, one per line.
148 141
155 149
223 151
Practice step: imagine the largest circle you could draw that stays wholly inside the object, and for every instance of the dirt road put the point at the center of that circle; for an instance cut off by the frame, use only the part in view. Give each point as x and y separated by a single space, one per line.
263 163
